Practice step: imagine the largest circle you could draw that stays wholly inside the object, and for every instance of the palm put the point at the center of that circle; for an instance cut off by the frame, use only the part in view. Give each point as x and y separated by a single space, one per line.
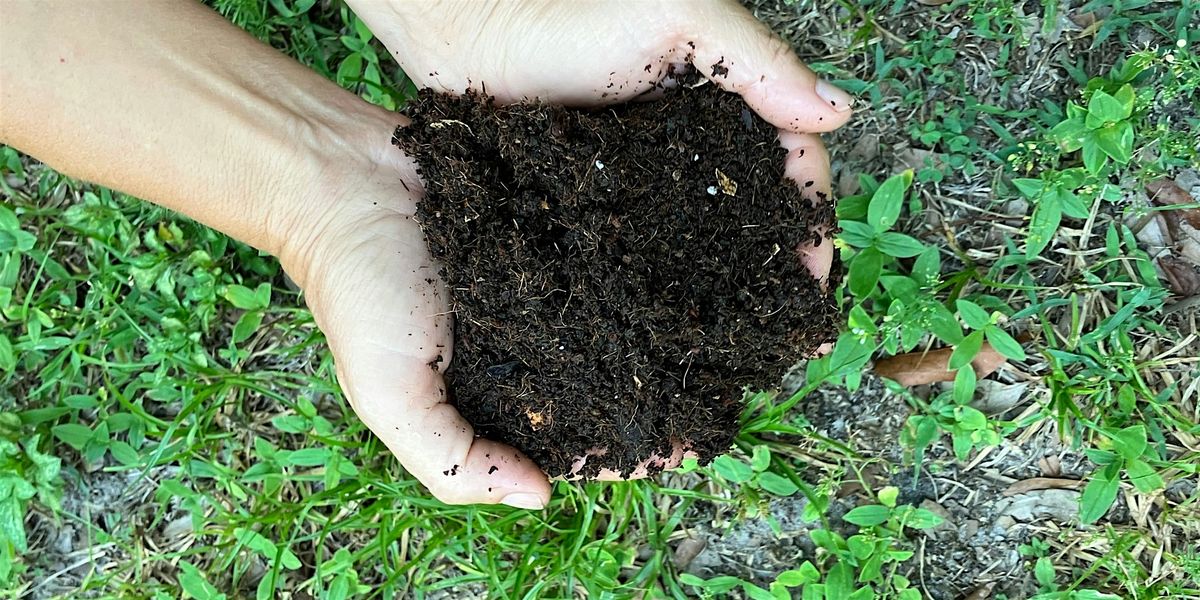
376 293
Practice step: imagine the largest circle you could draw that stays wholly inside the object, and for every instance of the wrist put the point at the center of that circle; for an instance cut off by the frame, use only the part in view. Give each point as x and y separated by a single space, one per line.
345 174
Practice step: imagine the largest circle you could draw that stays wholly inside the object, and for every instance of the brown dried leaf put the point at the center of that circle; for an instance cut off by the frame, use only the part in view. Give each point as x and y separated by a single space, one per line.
919 368
1084 20
1043 483
687 551
983 592
1182 277
728 186
1165 192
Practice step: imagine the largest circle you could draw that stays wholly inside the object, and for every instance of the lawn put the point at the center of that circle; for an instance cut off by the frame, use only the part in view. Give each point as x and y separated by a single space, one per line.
1019 202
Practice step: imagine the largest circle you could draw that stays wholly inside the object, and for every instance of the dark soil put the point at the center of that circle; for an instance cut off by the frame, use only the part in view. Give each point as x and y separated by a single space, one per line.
617 275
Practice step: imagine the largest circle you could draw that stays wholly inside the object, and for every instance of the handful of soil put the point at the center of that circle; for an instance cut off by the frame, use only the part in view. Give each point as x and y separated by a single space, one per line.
617 275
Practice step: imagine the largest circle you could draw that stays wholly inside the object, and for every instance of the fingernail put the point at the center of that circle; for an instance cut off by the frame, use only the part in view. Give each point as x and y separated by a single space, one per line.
524 500
835 96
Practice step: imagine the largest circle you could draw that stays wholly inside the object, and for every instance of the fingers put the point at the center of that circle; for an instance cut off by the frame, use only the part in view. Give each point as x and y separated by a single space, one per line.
739 53
404 405
807 164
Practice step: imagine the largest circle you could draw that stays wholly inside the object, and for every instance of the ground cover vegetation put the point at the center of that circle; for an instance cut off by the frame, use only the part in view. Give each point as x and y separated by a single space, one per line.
1011 409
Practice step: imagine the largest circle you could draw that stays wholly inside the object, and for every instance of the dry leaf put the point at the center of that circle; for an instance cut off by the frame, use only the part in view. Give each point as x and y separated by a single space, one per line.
1051 466
1165 192
687 551
918 368
1083 20
1043 483
996 397
983 592
915 159
1182 277
728 186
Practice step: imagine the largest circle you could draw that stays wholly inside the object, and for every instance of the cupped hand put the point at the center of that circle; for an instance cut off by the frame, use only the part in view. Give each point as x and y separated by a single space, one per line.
380 300
375 292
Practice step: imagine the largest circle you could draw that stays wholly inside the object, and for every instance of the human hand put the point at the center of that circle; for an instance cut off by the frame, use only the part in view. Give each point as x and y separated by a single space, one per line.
375 292
595 53
601 52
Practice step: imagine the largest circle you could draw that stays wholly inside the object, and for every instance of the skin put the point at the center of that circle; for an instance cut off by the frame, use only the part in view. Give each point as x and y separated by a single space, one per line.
173 104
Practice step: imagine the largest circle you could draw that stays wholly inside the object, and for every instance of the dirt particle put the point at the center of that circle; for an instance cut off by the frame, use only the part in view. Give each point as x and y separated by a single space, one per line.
719 69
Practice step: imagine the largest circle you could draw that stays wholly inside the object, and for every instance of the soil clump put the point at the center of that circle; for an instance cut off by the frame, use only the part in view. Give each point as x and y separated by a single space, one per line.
617 275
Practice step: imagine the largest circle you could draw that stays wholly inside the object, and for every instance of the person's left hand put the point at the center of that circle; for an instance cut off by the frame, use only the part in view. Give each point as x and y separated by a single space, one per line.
375 292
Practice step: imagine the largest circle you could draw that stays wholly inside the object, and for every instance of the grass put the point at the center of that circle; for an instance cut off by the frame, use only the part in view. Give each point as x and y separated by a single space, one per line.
169 412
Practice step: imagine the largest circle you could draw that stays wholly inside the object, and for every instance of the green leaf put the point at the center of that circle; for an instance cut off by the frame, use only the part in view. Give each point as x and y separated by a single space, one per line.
1043 225
760 459
1004 344
246 325
807 573
13 494
1098 496
899 245
1130 442
243 297
1044 571
858 235
920 518
972 314
756 593
1093 157
1030 188
864 272
776 484
1116 141
8 360
1069 134
964 385
1103 108
884 209
292 423
970 419
259 543
859 319
860 546
732 469
888 496
839 581
944 325
1071 205
72 434
195 585
1101 457
306 457
852 208
867 516
124 453
928 266
1143 476
966 350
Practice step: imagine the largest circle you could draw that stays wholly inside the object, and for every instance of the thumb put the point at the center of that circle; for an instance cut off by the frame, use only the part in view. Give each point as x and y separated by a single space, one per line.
404 406
737 52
